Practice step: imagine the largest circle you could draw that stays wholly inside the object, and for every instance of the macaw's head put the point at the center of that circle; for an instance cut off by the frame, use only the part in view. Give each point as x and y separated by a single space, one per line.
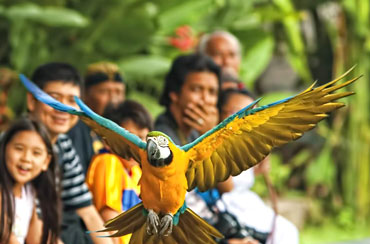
158 150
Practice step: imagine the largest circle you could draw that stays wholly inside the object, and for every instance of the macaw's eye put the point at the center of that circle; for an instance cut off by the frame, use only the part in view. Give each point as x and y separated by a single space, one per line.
162 141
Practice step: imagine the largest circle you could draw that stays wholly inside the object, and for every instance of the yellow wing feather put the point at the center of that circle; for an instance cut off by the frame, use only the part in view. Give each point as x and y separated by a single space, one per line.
245 141
117 143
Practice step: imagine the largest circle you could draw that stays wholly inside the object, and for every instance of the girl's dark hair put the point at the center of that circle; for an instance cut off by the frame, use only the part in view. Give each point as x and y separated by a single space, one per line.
129 110
45 185
181 67
225 95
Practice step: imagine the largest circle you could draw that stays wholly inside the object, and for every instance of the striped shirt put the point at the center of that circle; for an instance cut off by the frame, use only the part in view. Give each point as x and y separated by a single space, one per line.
74 191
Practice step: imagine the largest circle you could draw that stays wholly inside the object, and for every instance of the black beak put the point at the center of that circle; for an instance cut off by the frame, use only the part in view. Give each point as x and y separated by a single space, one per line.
152 150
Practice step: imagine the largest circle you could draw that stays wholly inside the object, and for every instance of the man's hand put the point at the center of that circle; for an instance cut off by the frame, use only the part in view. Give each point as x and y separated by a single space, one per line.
200 117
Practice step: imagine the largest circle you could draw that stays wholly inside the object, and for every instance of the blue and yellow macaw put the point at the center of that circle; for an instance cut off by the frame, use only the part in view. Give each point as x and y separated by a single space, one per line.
169 171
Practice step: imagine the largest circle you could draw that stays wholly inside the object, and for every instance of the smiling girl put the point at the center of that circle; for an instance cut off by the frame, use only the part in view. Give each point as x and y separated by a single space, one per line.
28 171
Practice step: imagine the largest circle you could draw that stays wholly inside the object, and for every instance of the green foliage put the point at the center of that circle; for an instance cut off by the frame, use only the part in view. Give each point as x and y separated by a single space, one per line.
135 34
322 170
279 174
261 49
330 232
145 65
296 50
355 155
150 104
50 16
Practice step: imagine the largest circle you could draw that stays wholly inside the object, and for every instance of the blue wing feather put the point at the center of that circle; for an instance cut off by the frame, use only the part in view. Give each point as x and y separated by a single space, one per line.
86 111
241 113
110 124
46 98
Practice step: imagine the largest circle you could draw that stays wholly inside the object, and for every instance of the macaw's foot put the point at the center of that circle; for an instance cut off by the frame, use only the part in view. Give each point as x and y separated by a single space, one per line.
166 224
152 222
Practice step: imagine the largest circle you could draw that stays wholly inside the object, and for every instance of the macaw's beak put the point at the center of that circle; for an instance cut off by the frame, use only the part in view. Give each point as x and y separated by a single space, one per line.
152 150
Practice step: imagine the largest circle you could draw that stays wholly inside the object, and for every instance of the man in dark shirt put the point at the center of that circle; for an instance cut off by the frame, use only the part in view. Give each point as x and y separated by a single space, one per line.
190 96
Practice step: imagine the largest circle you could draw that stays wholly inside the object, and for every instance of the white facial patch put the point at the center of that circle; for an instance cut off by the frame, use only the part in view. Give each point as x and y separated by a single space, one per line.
164 152
159 140
162 141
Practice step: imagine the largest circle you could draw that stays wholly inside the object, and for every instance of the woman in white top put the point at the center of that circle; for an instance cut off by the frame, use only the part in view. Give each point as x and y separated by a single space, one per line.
28 171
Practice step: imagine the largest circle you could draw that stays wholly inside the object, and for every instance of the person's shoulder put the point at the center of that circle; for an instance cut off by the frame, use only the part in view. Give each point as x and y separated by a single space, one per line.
161 119
63 137
64 142
80 125
79 129
105 163
30 191
106 158
165 123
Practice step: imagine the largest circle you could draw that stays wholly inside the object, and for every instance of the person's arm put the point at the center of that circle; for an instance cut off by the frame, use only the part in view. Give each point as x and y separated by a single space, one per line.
263 167
247 240
35 229
34 234
225 186
13 239
93 222
104 179
107 213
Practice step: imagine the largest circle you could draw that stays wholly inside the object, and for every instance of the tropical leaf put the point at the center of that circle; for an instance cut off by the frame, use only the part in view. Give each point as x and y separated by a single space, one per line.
50 16
144 66
256 57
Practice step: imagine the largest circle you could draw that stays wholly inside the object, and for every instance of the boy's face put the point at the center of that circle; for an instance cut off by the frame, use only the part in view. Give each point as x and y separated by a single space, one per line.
55 121
132 127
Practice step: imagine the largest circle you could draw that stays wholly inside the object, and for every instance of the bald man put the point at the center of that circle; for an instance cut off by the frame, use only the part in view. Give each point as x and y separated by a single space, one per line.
224 48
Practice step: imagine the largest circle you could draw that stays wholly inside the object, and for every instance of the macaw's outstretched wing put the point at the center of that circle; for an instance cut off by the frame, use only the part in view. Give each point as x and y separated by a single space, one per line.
121 142
246 137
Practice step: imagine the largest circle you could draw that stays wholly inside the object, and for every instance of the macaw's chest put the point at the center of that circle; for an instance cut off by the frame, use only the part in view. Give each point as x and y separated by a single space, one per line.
163 189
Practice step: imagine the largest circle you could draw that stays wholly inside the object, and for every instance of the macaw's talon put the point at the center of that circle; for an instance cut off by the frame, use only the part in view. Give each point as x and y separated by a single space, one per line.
166 225
152 222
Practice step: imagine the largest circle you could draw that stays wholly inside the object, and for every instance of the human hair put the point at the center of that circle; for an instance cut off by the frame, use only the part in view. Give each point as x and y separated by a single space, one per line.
226 94
227 77
181 67
129 110
206 38
100 72
56 71
45 186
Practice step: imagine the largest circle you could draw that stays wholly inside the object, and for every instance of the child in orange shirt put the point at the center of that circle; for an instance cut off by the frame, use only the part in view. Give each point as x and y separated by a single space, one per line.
112 180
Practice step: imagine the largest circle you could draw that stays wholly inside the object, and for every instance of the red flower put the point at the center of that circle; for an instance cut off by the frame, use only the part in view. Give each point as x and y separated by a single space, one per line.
184 39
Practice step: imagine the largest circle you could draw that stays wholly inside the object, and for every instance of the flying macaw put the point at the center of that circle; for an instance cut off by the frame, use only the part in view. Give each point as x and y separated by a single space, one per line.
169 171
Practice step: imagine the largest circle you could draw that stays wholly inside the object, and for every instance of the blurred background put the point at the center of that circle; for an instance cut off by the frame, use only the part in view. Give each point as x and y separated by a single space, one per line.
323 180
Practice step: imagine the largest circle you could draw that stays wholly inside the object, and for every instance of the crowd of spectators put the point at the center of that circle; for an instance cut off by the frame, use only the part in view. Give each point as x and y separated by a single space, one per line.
94 185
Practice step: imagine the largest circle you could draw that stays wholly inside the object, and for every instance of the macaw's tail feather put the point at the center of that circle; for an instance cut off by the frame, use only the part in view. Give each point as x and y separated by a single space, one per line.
190 229
127 222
